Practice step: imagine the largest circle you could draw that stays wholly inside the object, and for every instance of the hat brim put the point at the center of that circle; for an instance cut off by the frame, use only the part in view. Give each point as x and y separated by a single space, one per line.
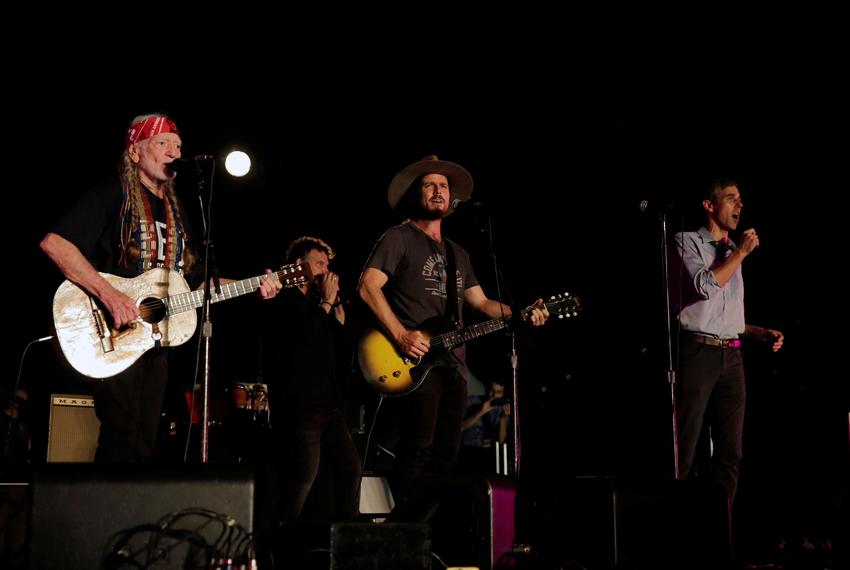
460 181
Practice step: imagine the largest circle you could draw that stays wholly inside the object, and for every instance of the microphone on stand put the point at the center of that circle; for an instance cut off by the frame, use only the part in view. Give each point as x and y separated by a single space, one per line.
648 206
467 203
472 210
188 164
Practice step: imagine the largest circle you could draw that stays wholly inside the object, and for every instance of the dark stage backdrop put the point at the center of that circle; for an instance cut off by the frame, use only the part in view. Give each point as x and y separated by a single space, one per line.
562 176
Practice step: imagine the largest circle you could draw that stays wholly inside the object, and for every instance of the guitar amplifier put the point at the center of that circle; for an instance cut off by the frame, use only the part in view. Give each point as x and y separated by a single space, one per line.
73 430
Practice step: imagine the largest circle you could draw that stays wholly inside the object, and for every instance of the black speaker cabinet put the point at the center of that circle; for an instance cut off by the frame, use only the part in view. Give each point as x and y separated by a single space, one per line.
138 516
608 523
14 512
73 430
471 517
351 546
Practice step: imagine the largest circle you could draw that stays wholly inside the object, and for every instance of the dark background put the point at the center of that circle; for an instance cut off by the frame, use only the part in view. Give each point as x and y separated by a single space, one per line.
562 157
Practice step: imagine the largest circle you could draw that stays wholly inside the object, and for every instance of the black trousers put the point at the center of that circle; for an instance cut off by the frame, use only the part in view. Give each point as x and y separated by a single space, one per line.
312 438
430 421
128 406
712 391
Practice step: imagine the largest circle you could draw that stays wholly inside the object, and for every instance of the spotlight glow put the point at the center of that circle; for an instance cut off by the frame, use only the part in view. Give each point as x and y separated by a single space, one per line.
237 163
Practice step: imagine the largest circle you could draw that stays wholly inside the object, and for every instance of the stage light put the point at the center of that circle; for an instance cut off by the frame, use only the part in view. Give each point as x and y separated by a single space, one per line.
237 163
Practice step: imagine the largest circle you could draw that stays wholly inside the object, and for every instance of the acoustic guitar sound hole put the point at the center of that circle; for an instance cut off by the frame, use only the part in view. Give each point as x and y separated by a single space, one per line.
152 310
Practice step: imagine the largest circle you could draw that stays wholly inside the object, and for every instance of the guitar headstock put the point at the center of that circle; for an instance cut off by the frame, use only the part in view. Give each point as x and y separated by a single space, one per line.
563 305
294 274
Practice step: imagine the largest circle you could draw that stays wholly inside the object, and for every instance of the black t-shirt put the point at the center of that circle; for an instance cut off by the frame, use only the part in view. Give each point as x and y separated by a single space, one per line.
416 267
299 351
94 223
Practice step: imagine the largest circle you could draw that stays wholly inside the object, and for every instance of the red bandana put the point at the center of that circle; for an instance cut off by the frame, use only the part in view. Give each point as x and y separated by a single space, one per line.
149 127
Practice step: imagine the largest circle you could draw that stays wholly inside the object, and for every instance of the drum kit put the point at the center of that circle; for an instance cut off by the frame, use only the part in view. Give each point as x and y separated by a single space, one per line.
238 414
239 419
251 402
243 402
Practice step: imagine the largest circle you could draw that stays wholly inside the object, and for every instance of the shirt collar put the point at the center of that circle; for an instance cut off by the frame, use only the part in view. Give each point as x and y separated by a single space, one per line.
707 238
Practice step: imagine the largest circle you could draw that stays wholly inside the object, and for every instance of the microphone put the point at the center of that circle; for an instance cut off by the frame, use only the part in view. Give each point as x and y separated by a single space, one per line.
188 164
181 165
647 206
457 202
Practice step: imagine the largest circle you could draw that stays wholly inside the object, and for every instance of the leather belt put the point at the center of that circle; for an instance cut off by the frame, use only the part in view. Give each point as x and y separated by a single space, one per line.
712 341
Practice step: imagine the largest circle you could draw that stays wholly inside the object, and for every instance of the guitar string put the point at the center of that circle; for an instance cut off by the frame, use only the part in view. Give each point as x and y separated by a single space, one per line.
498 324
484 328
184 300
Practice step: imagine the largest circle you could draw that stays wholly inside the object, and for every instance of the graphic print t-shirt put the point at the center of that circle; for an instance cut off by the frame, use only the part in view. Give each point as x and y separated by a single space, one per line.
416 267
93 225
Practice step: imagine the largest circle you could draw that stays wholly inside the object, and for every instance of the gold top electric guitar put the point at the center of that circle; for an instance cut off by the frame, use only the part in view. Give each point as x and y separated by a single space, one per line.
394 374
95 348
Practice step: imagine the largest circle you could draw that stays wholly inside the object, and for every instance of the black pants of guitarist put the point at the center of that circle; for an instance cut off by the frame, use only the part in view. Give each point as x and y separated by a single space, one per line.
313 437
711 390
430 422
128 406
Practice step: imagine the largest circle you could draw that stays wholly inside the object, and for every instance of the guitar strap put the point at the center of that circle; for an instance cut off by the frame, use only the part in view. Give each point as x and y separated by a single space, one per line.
451 285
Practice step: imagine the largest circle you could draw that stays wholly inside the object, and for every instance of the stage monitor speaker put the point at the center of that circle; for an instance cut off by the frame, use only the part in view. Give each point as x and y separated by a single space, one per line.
123 516
603 522
383 546
14 523
73 430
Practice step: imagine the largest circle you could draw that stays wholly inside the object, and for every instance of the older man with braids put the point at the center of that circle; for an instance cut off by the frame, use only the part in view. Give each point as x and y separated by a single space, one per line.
125 226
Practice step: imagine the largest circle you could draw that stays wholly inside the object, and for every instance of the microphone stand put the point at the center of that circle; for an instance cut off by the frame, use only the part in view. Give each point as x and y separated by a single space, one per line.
211 277
515 407
671 371
514 359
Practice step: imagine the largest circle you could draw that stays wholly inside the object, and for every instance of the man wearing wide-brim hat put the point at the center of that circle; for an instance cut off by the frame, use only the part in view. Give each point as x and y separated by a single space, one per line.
405 285
459 179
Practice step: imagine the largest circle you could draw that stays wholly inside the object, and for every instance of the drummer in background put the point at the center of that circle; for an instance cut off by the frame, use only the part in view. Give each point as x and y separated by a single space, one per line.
300 336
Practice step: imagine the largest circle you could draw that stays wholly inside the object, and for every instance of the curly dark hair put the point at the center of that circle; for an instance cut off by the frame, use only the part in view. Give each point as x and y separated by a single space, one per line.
303 245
